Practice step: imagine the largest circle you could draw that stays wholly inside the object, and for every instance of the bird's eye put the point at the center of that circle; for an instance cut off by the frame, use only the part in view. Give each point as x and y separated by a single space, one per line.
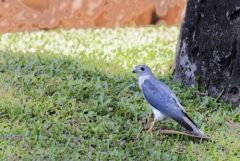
142 68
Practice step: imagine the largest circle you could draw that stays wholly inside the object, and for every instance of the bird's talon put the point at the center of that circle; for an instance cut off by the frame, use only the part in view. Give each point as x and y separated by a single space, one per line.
151 127
149 131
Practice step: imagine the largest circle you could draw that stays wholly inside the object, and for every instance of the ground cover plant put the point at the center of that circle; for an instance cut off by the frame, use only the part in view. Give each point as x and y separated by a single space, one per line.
69 95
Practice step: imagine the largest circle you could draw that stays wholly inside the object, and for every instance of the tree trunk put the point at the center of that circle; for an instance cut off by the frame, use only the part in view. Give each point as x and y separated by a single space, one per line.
209 48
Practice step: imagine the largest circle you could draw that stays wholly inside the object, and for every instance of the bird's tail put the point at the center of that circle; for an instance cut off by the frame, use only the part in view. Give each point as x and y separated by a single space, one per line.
188 123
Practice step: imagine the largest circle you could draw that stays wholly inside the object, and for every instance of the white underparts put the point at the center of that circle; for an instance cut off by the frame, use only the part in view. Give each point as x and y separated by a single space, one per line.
141 80
158 115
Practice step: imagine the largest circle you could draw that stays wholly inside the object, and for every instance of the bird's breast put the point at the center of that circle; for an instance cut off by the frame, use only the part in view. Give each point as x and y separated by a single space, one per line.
141 80
158 115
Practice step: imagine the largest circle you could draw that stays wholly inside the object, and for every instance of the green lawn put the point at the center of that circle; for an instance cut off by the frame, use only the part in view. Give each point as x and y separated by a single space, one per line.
69 95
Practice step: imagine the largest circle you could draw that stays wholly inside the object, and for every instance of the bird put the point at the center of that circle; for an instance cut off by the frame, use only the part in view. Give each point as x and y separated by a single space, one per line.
163 100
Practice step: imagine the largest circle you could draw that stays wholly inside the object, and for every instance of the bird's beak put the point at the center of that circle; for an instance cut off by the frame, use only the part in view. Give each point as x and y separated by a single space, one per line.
134 70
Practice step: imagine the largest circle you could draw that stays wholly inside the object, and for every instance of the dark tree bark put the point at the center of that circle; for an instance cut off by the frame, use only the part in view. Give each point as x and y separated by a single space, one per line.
209 48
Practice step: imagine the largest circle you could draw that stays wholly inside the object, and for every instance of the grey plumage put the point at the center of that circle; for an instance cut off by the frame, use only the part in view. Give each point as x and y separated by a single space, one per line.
163 101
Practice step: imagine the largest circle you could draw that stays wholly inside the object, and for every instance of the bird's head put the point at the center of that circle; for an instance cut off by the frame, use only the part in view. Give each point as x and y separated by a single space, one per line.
142 70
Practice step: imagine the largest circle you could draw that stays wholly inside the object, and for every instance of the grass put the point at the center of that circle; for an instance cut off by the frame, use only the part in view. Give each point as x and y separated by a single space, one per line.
70 95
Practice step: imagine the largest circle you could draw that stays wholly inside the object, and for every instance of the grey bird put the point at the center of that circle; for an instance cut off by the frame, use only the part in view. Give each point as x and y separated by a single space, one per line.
163 101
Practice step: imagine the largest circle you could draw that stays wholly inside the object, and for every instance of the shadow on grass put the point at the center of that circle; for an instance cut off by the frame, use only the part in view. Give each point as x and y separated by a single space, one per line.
57 107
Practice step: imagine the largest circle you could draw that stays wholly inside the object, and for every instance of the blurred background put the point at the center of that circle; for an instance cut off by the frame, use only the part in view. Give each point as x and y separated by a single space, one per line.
31 15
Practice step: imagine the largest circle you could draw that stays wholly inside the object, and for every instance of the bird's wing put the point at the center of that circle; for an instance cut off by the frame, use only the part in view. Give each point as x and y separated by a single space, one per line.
163 87
162 100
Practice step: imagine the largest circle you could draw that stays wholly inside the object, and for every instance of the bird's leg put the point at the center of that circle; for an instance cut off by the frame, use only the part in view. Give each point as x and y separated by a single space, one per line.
151 127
